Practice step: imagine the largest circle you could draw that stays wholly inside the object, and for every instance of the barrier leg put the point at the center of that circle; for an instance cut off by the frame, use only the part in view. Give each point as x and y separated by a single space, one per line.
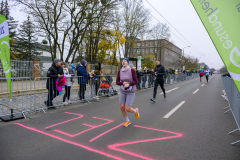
226 107
227 111
233 131
235 142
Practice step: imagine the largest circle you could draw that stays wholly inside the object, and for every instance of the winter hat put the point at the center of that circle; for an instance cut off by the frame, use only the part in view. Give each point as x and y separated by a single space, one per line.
83 62
126 60
56 60
71 65
63 63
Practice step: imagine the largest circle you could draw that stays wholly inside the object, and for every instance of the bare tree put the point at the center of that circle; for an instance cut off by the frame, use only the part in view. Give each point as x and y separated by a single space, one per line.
160 32
64 22
135 22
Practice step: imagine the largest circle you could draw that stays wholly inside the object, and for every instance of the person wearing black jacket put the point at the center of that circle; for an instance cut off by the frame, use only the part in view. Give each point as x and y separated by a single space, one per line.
139 77
227 75
54 72
159 79
149 78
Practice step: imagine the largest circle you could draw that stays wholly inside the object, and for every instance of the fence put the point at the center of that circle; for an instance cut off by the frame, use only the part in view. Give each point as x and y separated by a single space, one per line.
233 98
30 96
19 69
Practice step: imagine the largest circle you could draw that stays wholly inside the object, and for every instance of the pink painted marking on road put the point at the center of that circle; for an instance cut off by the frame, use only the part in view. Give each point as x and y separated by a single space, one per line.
106 132
80 116
88 125
91 127
114 146
70 142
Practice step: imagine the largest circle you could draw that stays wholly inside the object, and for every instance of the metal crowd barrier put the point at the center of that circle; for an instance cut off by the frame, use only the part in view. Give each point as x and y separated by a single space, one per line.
233 98
22 100
32 95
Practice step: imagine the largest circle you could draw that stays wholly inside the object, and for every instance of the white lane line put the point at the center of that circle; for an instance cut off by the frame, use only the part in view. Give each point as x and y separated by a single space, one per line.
203 85
174 110
170 90
195 91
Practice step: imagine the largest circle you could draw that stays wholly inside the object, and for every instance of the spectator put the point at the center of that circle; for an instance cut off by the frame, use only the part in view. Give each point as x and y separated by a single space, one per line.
82 79
71 70
68 84
144 78
153 77
97 78
93 78
166 76
227 74
54 72
139 77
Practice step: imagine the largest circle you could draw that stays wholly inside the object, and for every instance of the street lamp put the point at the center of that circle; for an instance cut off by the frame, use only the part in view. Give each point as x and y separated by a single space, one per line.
183 55
183 49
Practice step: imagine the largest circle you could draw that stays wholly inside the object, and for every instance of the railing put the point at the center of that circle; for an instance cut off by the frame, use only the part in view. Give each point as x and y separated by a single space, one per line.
30 96
233 98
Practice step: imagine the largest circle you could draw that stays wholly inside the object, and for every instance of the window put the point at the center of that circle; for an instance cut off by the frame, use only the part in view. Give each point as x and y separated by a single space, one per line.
147 51
147 44
156 43
139 44
134 50
151 43
156 50
143 44
138 51
151 50
143 51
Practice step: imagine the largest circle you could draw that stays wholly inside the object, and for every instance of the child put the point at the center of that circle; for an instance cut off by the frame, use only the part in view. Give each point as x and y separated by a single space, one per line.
93 78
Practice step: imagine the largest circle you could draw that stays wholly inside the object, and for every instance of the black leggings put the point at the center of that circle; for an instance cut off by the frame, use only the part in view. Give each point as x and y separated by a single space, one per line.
207 78
82 89
156 83
96 88
67 93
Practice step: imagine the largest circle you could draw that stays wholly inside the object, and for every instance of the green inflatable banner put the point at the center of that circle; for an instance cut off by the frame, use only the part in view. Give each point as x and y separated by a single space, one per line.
5 51
221 19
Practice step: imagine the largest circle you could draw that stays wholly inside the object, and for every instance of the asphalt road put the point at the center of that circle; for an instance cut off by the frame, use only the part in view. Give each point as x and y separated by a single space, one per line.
188 125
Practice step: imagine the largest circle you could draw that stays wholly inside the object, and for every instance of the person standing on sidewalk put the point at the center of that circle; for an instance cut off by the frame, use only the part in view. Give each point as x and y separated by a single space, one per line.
82 79
127 79
139 77
97 78
159 80
54 72
153 77
144 78
68 85
71 70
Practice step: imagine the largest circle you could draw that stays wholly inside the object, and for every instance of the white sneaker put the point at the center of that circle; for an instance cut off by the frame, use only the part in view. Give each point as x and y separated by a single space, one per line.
69 101
65 103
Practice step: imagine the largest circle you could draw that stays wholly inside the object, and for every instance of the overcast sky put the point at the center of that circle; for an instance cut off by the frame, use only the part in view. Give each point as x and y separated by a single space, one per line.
183 17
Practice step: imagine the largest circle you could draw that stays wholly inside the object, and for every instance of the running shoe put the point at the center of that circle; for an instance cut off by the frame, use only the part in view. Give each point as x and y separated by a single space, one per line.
65 103
152 99
165 95
126 124
69 101
137 115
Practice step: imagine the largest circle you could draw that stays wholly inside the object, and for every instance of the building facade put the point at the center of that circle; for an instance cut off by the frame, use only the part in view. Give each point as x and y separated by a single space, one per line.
161 49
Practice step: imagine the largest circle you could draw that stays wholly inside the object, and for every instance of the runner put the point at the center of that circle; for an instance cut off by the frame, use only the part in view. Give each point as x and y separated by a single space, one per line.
127 79
207 72
201 74
159 80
